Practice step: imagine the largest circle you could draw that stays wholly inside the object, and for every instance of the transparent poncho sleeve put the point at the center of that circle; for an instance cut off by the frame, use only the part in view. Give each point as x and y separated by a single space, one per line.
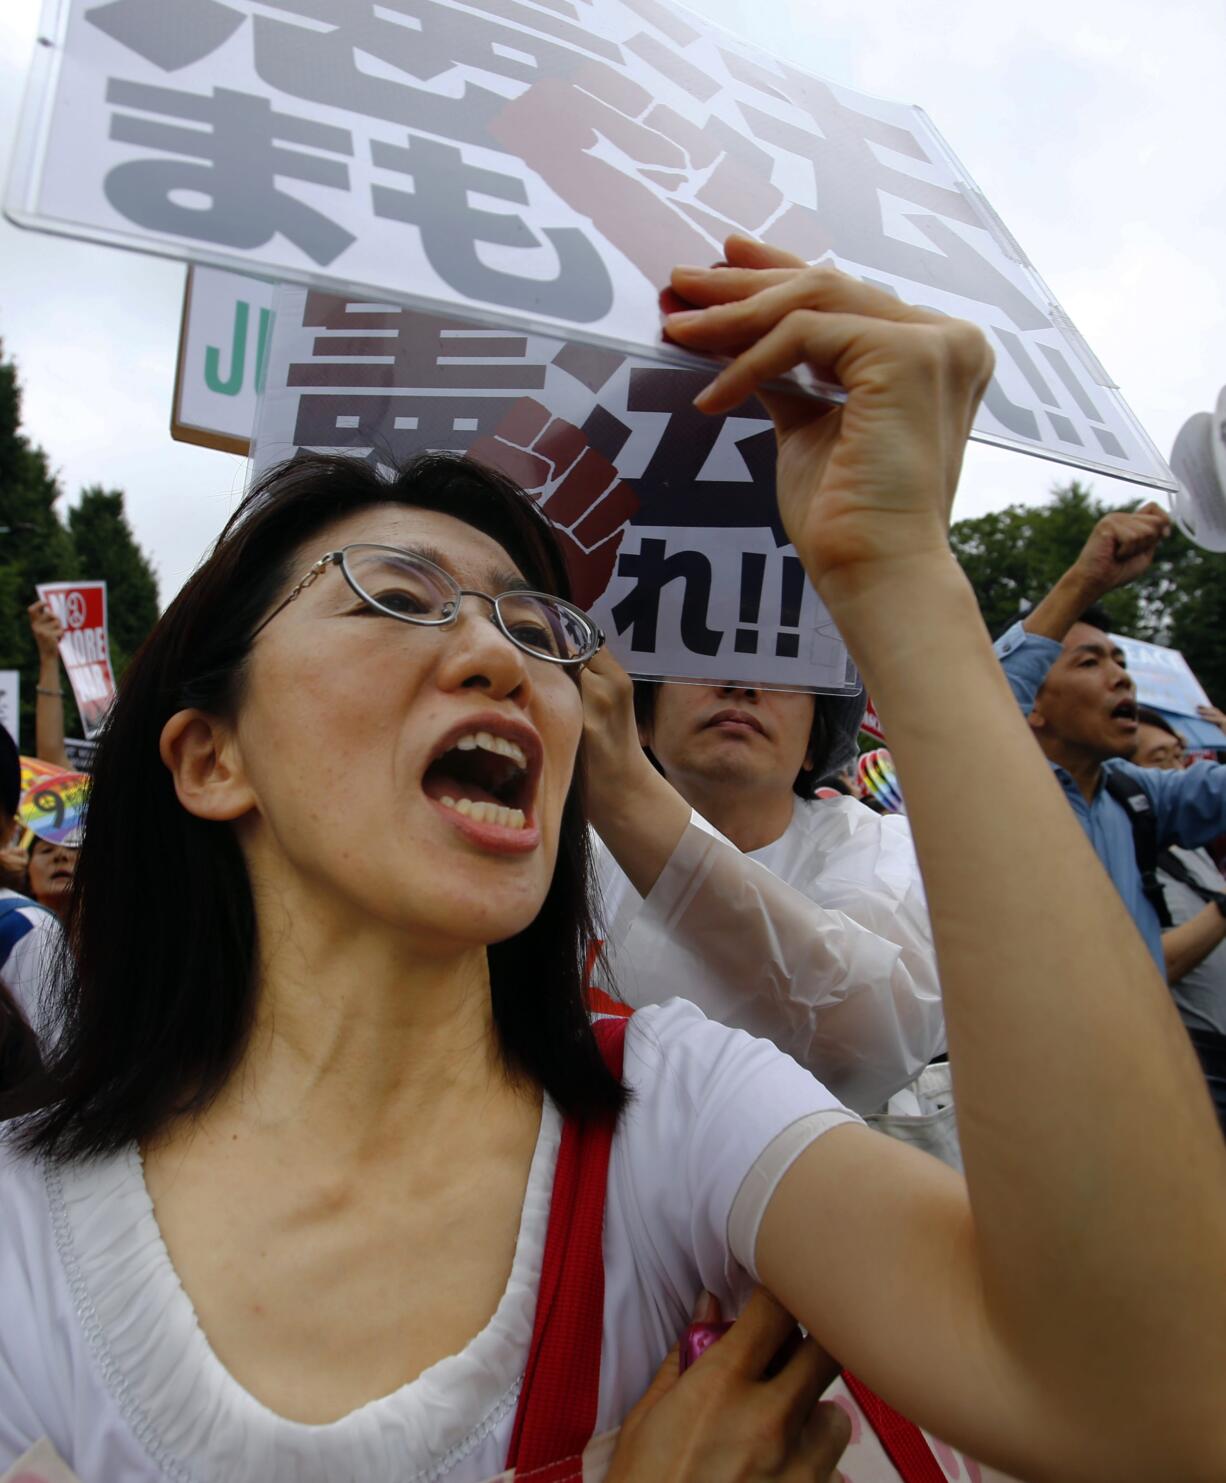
847 986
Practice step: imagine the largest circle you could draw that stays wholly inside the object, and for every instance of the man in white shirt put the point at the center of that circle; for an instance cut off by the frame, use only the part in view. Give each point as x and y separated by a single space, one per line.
725 882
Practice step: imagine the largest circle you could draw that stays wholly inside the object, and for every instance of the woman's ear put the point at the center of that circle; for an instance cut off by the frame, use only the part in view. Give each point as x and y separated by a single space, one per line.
202 755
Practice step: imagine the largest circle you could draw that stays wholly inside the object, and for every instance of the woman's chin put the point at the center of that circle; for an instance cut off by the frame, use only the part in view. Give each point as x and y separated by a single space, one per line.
469 909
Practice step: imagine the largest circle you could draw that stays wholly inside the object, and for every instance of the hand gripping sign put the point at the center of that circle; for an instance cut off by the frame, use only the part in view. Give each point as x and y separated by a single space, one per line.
537 163
85 647
667 518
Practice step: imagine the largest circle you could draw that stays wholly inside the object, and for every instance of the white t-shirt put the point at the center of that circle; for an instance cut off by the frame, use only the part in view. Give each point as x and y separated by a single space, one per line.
819 942
101 1353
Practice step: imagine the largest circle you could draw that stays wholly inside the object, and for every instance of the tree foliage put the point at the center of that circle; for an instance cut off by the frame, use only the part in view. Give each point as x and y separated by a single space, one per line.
36 545
107 551
1014 556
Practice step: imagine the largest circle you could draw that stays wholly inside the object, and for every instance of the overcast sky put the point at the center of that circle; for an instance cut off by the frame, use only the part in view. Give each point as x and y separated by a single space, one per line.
1095 127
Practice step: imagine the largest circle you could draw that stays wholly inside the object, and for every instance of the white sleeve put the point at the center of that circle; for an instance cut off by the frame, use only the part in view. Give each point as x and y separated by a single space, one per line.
617 902
848 987
701 1138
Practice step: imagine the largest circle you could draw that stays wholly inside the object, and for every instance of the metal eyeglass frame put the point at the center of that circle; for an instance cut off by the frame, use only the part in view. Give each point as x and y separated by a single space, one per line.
337 558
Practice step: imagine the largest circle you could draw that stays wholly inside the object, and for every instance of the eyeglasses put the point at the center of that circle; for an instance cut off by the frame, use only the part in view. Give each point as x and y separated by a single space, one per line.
411 589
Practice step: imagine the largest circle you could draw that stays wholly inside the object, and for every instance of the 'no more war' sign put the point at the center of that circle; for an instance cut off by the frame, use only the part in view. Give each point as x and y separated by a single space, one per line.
667 517
84 648
540 163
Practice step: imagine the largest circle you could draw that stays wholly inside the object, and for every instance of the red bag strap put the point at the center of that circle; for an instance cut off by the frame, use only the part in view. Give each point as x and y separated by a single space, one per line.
557 1404
904 1443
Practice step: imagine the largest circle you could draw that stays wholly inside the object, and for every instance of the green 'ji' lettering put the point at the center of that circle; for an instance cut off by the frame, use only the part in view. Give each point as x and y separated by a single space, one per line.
232 385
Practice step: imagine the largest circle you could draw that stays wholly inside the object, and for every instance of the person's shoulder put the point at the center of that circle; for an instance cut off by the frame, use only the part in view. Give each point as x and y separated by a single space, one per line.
674 1033
14 903
816 815
851 837
1148 779
19 916
673 1050
1163 784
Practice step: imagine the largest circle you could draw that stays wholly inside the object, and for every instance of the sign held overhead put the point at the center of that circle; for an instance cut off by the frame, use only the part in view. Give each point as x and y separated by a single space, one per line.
667 518
537 162
85 646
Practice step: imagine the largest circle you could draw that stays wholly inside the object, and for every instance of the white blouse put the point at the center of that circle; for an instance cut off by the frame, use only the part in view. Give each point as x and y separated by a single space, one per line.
102 1354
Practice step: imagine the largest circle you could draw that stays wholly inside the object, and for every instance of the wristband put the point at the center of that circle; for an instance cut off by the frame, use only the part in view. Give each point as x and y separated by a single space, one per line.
39 689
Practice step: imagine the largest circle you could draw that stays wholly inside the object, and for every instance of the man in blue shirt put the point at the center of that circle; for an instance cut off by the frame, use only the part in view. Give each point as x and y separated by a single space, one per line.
1072 683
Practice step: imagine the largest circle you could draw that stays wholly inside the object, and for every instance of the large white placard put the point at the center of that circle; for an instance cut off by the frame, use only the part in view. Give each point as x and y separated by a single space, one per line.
1163 677
223 352
537 162
10 703
667 517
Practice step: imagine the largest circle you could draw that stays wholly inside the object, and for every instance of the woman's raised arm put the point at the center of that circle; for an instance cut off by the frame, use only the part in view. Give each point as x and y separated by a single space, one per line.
1062 1314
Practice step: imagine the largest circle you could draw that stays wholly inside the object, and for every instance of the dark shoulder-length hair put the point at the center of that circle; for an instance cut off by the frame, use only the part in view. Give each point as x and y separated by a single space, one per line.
155 992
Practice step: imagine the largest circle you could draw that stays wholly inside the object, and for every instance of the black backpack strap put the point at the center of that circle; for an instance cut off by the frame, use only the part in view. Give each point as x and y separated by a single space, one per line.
1136 803
1170 864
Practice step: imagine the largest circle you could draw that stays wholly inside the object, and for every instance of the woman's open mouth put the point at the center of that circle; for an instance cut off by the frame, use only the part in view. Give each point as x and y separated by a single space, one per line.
485 780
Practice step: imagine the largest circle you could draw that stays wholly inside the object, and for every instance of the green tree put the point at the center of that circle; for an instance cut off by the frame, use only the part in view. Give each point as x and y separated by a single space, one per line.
1015 555
107 551
34 545
37 546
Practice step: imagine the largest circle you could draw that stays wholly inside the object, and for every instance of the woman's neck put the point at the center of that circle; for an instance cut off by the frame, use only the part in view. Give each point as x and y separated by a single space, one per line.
361 1032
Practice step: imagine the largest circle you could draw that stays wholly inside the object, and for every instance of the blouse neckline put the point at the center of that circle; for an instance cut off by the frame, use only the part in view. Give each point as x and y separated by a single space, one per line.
198 1422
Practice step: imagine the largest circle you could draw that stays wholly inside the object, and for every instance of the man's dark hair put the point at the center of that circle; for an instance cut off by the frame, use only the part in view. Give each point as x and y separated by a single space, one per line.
1148 717
1095 615
1098 617
832 736
155 991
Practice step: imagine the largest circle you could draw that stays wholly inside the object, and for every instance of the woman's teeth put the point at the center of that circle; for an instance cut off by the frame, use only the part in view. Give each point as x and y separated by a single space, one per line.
489 743
487 813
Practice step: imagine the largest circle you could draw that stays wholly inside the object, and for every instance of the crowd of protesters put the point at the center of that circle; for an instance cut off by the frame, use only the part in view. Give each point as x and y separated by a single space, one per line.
332 999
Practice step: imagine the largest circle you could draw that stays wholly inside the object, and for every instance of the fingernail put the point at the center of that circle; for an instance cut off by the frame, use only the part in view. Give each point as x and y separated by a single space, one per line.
705 1308
706 395
682 316
690 268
